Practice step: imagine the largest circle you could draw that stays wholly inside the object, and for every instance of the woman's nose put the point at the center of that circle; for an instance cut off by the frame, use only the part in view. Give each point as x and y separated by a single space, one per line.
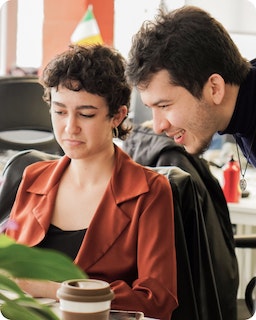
72 125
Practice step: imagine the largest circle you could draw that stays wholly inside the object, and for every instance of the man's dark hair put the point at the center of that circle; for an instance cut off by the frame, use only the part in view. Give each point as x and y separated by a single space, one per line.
191 45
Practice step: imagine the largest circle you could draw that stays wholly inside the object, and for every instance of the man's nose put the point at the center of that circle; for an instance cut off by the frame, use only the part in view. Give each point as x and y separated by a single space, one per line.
160 124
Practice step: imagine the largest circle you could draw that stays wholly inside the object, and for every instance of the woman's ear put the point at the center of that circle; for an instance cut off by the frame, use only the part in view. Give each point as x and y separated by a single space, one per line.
120 115
216 86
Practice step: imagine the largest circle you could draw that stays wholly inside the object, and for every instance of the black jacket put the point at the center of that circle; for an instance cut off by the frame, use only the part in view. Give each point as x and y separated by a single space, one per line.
206 223
243 121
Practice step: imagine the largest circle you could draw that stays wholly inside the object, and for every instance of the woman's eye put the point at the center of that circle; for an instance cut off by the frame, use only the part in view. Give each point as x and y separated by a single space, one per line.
87 115
58 112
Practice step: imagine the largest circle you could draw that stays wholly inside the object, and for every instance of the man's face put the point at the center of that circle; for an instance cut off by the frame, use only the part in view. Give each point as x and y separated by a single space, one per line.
190 121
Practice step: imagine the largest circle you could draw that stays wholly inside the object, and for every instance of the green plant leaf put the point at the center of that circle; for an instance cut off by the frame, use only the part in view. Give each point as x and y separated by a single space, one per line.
21 306
21 261
5 241
9 285
27 309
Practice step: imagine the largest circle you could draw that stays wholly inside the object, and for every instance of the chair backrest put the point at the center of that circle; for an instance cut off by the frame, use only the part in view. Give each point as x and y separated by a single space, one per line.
12 175
25 121
248 241
206 265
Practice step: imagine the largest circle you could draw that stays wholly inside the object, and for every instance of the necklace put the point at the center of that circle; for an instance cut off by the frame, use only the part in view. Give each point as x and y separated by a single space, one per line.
243 183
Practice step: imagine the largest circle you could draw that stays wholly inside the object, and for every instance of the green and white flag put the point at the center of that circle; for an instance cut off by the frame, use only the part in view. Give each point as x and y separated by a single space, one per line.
87 31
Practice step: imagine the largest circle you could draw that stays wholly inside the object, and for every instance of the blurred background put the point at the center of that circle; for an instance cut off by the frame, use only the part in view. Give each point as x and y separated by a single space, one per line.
32 31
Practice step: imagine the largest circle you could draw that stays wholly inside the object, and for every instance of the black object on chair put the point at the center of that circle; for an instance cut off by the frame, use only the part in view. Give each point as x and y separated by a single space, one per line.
12 175
206 283
248 241
25 121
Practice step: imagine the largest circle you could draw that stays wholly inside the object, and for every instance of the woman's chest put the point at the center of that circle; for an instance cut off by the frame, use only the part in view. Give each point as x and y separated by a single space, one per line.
74 208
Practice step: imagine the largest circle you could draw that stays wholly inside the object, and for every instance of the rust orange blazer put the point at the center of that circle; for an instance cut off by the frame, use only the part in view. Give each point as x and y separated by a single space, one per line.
130 241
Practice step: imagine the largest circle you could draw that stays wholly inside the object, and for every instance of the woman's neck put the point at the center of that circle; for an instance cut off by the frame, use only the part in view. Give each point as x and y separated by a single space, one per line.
92 170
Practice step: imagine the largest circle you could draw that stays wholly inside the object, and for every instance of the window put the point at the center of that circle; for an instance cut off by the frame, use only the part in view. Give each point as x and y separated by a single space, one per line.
21 23
29 34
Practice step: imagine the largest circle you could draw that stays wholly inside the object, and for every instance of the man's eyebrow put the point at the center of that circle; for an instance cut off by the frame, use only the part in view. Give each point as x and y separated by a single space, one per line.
158 102
81 107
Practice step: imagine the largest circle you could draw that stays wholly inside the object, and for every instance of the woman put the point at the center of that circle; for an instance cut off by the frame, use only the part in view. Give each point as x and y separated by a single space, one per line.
111 215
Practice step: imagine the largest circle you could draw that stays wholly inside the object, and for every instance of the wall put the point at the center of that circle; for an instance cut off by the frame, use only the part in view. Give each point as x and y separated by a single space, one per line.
119 20
8 30
238 16
129 16
62 16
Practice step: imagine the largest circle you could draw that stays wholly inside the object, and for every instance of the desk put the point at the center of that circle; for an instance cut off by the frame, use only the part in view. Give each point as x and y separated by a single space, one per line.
244 212
145 318
56 310
243 215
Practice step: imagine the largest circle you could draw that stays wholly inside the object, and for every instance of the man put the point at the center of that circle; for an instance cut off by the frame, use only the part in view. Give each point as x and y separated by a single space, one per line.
193 77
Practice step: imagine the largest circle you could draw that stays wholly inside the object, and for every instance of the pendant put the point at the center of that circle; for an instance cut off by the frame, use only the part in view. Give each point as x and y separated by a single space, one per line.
243 184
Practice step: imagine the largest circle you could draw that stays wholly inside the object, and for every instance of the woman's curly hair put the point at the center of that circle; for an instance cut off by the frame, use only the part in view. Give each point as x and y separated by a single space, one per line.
97 69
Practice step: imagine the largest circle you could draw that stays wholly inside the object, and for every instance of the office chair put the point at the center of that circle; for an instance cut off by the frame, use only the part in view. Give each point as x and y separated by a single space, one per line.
25 119
248 241
205 290
12 175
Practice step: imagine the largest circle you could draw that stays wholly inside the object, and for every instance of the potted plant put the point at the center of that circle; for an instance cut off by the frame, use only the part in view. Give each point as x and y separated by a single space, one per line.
20 261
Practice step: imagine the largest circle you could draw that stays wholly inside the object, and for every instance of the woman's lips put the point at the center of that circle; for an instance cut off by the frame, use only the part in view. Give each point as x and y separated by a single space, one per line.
72 142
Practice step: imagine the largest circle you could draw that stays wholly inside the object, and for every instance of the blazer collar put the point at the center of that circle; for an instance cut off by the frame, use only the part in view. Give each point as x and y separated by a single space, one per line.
49 176
128 179
105 228
110 220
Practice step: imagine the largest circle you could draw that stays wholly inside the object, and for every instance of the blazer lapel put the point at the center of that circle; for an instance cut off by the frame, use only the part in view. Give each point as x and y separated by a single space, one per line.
108 223
110 220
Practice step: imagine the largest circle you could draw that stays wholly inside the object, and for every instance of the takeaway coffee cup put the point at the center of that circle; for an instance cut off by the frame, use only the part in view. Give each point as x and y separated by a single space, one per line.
85 299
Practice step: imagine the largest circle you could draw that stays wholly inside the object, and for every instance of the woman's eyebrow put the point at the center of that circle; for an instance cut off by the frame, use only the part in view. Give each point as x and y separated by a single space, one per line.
81 107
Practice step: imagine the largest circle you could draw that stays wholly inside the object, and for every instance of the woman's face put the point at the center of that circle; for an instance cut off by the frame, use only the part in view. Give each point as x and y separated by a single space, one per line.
191 122
81 123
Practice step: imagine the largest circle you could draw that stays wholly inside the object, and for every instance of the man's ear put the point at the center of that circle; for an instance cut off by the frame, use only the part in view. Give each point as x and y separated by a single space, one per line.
120 115
216 86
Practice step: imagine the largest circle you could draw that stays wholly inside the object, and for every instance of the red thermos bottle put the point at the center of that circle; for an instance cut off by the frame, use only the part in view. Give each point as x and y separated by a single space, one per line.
231 175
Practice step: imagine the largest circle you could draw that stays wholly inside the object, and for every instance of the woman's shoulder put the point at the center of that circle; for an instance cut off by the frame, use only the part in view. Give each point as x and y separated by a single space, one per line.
154 175
41 165
138 174
159 174
45 169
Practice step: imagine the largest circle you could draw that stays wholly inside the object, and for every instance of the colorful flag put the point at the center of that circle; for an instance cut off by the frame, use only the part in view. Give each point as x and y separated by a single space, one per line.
87 31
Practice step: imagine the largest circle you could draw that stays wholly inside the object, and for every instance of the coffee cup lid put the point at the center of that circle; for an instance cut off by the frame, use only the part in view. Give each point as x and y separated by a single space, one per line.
85 290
